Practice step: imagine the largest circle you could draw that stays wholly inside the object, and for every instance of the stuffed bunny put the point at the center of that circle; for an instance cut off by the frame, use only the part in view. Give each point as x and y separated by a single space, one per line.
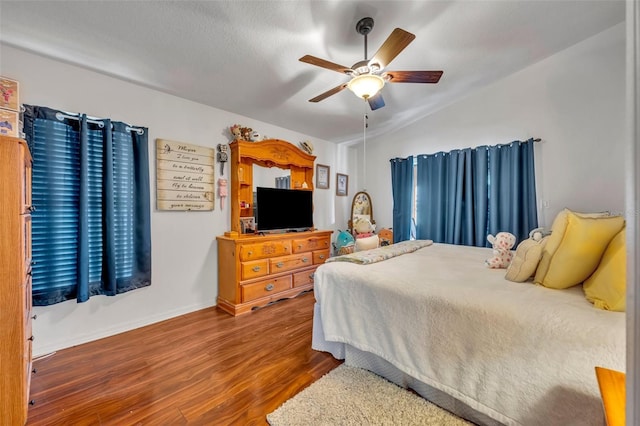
502 254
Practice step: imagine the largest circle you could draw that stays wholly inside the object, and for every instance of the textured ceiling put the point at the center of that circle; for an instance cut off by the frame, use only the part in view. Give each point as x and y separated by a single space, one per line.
242 56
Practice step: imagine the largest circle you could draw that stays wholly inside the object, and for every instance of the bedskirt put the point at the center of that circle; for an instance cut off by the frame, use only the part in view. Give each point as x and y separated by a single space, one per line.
356 358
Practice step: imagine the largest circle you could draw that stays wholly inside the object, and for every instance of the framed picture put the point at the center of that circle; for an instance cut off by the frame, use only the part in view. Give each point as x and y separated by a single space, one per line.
9 94
322 176
247 225
342 184
9 123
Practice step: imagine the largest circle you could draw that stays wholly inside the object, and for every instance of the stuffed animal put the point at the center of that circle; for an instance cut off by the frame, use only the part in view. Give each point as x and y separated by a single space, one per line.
245 132
363 227
255 136
386 237
344 243
538 234
502 255
236 132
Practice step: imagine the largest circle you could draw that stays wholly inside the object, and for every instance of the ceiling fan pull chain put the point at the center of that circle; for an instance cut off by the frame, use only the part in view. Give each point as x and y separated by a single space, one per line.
364 147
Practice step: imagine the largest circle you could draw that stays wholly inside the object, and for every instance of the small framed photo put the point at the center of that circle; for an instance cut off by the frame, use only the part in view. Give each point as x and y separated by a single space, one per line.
322 176
342 184
247 225
9 123
9 96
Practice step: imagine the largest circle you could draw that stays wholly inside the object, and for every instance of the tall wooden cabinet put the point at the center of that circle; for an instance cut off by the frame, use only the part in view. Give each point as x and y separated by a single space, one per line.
15 280
255 270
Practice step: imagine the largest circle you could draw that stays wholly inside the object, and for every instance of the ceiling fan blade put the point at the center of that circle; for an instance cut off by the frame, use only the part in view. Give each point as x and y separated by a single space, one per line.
329 93
326 64
412 76
376 101
393 45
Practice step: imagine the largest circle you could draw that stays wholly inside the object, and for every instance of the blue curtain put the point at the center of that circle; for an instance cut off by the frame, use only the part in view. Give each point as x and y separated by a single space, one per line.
402 189
451 202
91 230
512 190
464 195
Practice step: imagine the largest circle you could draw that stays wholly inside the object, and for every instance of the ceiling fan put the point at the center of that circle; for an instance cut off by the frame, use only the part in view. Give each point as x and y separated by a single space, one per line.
369 76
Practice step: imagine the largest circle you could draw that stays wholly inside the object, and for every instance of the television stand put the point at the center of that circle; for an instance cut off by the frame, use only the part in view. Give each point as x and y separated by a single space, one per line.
255 270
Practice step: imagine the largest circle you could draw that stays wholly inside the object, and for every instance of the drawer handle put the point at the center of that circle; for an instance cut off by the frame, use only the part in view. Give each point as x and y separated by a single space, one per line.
32 402
299 246
269 287
31 208
256 269
249 253
321 256
34 371
305 260
279 264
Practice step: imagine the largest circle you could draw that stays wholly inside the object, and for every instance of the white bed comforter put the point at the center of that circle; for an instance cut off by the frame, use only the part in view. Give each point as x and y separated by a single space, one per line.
517 352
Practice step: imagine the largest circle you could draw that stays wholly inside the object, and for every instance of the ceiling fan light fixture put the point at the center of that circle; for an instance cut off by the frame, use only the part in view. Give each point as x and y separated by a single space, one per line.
366 85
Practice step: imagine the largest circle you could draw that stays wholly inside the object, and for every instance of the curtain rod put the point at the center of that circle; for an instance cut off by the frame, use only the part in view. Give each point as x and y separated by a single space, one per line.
60 116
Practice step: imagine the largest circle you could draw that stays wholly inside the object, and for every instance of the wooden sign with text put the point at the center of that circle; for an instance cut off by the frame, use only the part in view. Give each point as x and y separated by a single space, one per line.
184 176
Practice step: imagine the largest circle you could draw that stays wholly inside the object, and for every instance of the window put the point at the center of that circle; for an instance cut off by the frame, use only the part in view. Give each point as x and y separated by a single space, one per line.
461 196
91 232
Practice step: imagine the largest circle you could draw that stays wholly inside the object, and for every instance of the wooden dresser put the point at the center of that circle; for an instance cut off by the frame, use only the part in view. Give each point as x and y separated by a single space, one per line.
254 271
15 280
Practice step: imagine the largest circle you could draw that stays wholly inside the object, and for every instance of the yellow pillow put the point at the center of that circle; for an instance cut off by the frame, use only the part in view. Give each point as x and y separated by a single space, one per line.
558 229
580 250
526 259
606 288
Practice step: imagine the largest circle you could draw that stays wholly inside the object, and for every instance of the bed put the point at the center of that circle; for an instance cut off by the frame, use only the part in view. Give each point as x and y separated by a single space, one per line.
437 320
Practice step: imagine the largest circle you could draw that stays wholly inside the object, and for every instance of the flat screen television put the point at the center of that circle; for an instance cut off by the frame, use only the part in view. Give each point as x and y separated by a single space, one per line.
283 210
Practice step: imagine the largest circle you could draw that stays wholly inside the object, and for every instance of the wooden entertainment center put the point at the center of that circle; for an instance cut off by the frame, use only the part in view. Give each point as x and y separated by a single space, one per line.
253 269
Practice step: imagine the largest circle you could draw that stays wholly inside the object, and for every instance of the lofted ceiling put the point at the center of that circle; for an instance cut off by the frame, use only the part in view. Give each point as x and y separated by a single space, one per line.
242 56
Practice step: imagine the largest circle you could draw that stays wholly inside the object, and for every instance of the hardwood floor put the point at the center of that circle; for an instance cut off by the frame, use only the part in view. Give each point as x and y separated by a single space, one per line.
203 368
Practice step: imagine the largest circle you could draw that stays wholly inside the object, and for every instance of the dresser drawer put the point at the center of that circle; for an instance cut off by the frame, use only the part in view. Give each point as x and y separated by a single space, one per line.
287 263
265 288
320 256
310 244
304 277
264 250
254 269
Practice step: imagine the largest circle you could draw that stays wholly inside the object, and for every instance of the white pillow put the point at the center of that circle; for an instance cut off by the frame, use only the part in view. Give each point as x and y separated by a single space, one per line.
367 243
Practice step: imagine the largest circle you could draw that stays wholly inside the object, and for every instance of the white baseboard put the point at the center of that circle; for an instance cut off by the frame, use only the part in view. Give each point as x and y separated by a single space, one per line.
76 340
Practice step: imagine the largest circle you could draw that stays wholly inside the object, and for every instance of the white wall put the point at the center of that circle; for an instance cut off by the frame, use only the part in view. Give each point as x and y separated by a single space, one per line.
184 252
573 100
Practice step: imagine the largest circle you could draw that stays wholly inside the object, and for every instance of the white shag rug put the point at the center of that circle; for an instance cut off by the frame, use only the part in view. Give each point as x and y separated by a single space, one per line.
353 396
